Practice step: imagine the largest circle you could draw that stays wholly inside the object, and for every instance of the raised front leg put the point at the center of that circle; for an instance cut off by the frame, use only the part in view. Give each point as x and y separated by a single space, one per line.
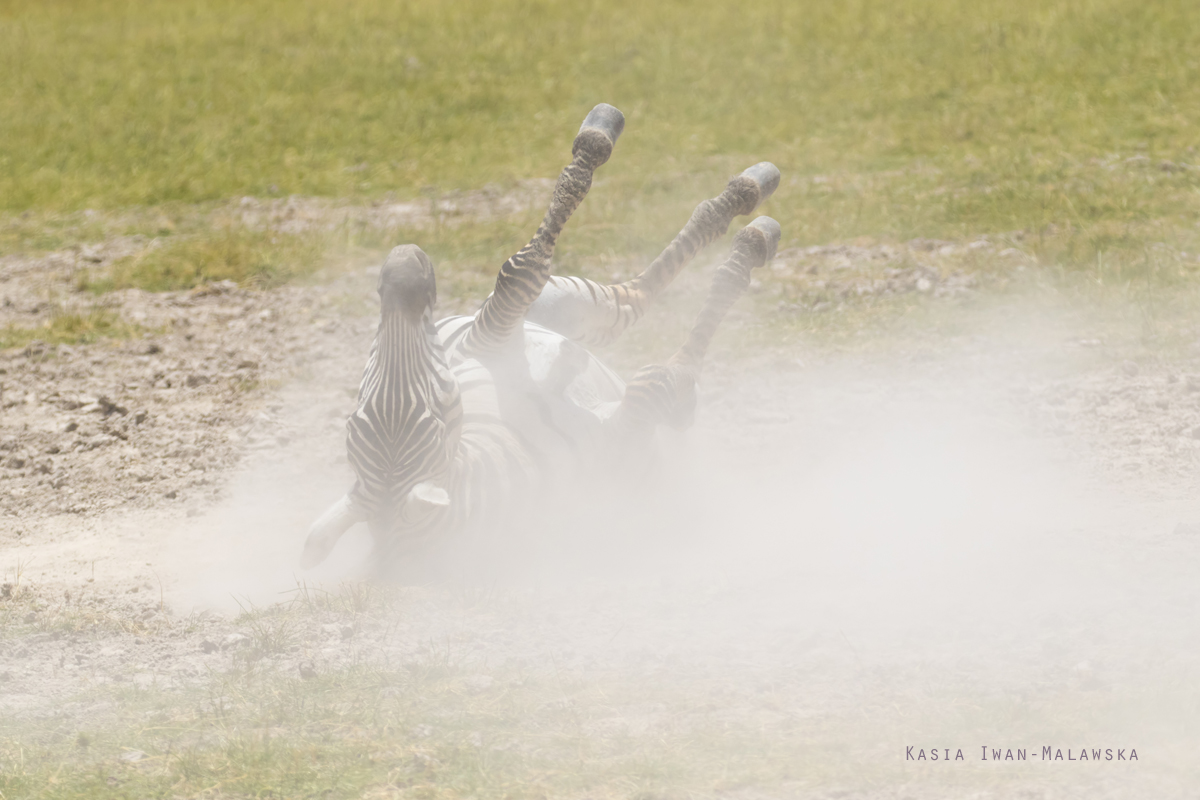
593 313
666 393
524 274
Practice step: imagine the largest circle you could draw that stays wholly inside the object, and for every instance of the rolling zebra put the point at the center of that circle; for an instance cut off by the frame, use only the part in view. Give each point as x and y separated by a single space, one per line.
461 421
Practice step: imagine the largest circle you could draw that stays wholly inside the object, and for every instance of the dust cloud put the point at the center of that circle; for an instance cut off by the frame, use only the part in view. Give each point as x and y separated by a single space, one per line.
872 531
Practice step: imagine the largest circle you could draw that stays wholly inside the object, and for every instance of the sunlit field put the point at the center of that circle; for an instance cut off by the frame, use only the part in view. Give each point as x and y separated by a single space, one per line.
1007 190
1074 121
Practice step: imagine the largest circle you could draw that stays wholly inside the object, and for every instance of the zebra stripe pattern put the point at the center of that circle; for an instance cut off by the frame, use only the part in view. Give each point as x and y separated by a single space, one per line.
461 421
596 314
524 274
666 393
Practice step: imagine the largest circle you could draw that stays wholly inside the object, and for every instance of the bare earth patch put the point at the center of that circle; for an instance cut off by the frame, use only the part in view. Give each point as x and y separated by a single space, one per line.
977 530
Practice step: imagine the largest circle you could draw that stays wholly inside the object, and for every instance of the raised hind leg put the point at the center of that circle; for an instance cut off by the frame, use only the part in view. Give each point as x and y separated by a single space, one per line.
593 313
666 393
524 274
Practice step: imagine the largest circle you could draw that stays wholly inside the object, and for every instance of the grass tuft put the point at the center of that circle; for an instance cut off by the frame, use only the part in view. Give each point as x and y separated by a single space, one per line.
70 327
250 258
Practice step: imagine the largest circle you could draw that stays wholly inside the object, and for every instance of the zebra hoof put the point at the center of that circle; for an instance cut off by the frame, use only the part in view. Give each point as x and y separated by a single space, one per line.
756 243
606 119
771 230
598 134
766 177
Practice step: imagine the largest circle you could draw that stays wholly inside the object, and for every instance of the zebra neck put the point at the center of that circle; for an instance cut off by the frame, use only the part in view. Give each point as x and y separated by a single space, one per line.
407 380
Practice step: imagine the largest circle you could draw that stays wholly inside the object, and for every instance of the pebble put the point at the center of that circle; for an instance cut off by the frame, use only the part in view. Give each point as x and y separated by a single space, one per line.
234 640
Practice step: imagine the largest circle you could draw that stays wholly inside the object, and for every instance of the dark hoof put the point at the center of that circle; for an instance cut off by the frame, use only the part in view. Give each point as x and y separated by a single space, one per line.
757 243
766 176
770 228
608 120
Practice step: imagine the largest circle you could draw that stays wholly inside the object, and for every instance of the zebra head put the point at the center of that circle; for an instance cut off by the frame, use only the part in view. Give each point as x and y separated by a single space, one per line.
407 285
402 438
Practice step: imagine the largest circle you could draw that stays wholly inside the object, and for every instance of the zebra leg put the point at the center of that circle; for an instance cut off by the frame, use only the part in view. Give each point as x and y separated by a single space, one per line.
593 313
328 528
666 393
524 274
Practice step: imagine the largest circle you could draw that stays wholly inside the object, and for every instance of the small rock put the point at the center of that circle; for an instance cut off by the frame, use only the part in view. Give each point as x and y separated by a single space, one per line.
133 756
234 640
109 407
209 647
306 671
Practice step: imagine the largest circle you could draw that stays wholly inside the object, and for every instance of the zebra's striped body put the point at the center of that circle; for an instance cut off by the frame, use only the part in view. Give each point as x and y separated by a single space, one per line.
461 421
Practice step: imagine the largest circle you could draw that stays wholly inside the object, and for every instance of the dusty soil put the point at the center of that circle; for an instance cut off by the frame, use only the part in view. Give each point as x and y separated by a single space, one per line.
996 512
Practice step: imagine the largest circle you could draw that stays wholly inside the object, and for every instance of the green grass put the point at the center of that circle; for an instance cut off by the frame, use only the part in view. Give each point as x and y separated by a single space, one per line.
442 723
940 118
252 258
70 327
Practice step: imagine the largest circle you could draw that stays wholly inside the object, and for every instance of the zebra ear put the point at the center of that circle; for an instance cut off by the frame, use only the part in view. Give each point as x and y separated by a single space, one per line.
326 531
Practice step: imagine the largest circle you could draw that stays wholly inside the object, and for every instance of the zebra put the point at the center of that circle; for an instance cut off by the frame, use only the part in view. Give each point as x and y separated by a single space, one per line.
462 420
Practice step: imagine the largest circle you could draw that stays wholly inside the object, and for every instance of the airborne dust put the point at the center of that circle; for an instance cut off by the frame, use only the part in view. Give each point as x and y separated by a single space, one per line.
980 534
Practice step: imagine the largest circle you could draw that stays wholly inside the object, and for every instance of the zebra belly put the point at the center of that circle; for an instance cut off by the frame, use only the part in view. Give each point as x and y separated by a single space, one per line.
551 394
555 364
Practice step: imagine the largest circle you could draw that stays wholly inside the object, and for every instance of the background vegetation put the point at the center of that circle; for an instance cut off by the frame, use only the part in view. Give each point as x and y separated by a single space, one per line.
1072 119
1067 125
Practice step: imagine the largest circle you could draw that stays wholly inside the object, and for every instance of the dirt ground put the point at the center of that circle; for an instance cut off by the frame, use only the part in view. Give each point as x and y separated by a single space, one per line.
977 531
